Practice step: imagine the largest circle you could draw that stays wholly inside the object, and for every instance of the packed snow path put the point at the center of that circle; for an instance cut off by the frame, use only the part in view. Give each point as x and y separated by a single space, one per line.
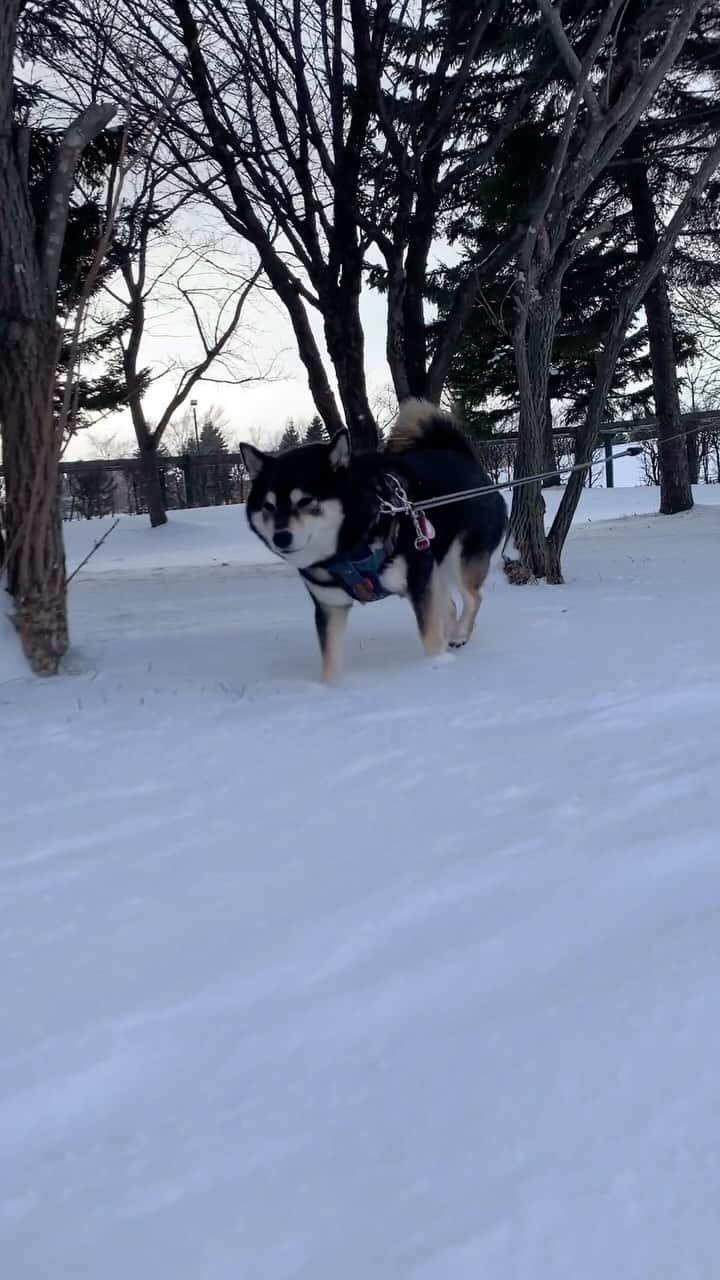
413 978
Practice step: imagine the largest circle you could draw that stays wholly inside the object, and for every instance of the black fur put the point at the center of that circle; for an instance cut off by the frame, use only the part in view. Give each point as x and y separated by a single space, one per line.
435 458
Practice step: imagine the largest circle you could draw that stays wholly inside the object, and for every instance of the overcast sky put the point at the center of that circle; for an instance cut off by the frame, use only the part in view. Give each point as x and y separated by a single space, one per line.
265 341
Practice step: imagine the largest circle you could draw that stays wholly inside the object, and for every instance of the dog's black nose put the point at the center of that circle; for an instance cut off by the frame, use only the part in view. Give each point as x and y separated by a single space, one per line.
282 539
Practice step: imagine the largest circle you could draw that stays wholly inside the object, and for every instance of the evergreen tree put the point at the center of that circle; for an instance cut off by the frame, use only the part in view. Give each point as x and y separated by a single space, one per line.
106 391
92 492
290 437
658 159
215 477
316 432
212 439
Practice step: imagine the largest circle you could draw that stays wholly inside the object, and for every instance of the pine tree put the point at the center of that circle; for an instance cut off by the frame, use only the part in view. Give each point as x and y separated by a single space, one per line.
103 392
92 492
215 477
290 437
659 159
316 432
656 162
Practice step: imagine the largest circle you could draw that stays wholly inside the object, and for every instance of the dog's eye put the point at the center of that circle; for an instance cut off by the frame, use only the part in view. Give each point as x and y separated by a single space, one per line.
304 503
269 508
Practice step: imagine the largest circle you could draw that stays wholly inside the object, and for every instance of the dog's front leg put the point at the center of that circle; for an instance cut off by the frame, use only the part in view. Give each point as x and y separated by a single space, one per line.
431 603
331 622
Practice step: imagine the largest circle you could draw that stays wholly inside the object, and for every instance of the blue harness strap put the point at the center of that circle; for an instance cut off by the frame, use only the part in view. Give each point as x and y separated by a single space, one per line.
358 573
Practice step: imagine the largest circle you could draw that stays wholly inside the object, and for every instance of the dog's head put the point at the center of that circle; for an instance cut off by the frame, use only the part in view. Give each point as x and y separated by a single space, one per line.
296 500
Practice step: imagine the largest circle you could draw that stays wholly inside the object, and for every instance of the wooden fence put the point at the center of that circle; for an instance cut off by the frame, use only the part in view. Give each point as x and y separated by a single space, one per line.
101 485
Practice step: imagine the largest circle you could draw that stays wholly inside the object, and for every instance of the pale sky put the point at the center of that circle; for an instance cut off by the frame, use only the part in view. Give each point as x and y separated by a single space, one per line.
265 339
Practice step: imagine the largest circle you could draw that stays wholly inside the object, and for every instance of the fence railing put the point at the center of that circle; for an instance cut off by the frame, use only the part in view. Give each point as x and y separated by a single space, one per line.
102 486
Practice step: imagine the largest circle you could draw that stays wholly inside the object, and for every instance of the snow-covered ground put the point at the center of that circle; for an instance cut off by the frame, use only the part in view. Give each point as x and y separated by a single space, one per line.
417 977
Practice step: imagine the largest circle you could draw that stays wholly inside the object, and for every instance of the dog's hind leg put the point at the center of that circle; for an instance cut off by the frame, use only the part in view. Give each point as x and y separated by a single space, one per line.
473 572
452 620
331 623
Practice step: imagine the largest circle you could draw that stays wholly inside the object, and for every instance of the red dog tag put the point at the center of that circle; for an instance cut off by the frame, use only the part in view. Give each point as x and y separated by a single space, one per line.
425 531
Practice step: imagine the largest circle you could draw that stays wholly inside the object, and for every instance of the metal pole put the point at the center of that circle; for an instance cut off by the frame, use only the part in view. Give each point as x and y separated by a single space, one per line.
193 405
609 463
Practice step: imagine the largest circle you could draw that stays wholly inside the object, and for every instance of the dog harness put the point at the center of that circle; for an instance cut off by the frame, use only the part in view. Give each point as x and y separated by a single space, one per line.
358 573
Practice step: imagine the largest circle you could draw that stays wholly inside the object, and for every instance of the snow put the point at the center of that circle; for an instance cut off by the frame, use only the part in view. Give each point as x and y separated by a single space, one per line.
416 977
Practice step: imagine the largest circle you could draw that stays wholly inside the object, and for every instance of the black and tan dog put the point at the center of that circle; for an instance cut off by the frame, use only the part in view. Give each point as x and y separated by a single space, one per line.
325 511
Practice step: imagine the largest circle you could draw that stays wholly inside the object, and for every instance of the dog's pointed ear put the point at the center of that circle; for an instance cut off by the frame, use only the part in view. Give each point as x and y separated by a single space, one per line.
253 459
339 450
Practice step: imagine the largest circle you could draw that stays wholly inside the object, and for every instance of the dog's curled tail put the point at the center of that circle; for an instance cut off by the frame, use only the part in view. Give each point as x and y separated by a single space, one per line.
420 424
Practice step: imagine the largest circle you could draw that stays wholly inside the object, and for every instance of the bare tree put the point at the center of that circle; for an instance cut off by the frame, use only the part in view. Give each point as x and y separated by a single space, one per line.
698 310
264 131
108 446
163 272
347 125
29 347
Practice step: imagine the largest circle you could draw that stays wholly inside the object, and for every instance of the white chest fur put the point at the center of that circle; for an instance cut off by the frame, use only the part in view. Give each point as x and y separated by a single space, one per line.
394 576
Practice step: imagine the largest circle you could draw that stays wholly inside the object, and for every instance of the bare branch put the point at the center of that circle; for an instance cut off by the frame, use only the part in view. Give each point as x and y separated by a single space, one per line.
95 547
212 350
76 138
579 77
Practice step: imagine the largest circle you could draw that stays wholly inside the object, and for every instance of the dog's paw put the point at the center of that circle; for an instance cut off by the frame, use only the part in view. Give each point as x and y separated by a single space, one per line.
440 659
457 644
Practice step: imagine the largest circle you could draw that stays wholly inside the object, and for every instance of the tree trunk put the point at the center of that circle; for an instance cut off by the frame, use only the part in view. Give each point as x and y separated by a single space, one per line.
612 342
152 487
416 271
29 347
346 347
533 341
395 334
35 554
693 453
549 461
675 490
147 440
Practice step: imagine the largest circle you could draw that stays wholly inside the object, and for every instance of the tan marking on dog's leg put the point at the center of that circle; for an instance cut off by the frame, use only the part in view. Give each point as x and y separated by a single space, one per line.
450 573
331 621
473 574
431 612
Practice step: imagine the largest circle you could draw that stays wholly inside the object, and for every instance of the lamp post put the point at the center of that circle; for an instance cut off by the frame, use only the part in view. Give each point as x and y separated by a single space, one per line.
193 406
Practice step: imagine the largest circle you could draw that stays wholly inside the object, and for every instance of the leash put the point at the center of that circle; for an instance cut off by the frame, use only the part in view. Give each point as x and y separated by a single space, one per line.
424 531
403 506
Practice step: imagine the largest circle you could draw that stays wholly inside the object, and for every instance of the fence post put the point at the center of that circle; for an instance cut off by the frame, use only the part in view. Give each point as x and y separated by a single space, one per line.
609 462
187 470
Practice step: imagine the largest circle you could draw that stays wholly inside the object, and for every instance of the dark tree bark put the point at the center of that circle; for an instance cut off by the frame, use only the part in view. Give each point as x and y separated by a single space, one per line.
35 555
335 267
133 275
693 457
549 462
612 343
29 350
675 489
151 486
345 342
590 135
533 339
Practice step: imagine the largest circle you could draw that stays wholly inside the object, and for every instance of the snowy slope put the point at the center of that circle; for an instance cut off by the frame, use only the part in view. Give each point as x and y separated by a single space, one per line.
413 978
